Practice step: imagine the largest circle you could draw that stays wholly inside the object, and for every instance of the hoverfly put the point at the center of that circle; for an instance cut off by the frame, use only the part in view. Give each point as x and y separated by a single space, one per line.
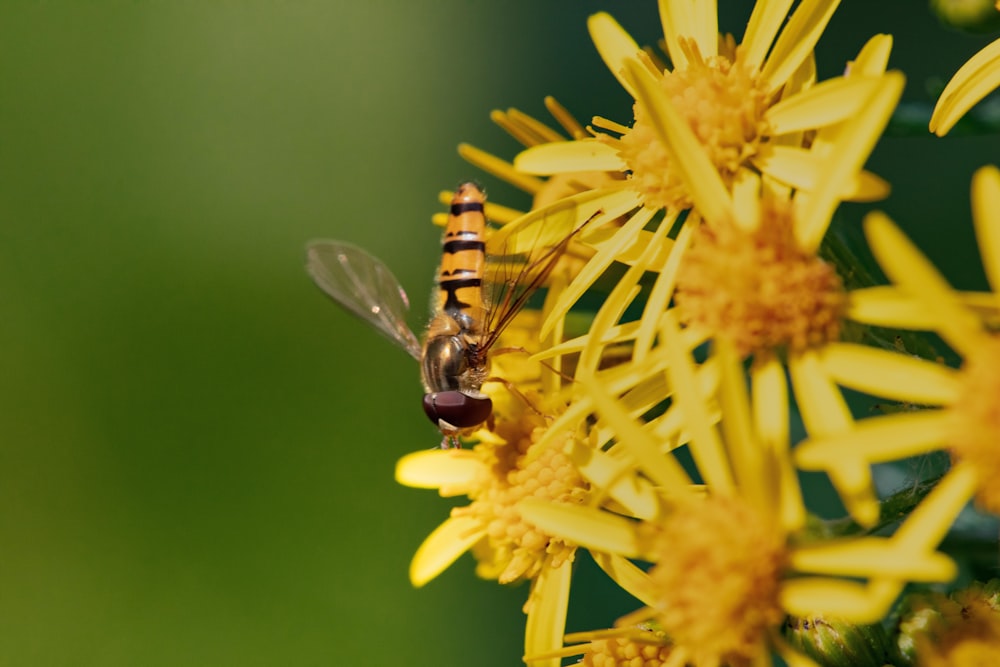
479 293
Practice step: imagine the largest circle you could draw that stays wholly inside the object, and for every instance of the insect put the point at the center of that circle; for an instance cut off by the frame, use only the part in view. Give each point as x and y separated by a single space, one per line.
479 293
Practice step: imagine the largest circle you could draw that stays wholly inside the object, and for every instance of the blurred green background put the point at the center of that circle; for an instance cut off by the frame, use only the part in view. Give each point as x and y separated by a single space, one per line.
196 447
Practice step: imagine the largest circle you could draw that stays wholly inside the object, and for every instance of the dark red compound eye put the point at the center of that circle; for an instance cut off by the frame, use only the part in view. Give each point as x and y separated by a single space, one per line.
457 409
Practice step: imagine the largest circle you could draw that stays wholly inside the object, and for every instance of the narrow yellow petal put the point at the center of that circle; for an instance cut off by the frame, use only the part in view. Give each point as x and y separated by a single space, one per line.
805 169
564 157
706 446
907 267
675 18
623 572
562 217
928 524
613 476
586 526
703 26
689 158
831 101
640 444
756 479
546 622
770 410
614 45
823 408
663 288
565 118
443 547
854 144
633 249
765 21
435 468
892 375
853 480
860 603
872 557
986 216
598 264
877 440
616 334
873 58
971 83
888 306
500 168
541 132
797 40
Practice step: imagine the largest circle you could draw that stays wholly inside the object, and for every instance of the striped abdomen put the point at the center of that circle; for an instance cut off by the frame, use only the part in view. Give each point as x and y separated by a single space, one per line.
463 258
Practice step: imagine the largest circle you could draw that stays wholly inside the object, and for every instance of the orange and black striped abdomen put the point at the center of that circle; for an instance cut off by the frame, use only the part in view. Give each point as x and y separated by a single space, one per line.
463 258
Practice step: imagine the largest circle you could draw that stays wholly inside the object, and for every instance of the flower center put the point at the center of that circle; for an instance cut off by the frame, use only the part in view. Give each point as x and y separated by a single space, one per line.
975 425
758 288
625 651
722 102
717 579
518 469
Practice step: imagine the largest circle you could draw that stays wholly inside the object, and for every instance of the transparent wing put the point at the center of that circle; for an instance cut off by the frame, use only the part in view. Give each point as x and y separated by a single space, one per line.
363 285
521 255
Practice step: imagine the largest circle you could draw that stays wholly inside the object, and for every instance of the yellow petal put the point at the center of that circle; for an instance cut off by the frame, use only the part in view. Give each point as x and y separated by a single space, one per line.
877 440
757 479
586 526
705 446
823 408
831 101
597 265
554 222
805 169
797 40
614 44
443 547
908 268
873 557
629 252
986 216
676 20
436 468
770 405
566 157
860 603
701 24
888 306
639 443
613 476
928 524
663 288
765 21
971 83
892 375
633 580
546 623
689 157
855 141
853 480
500 168
873 58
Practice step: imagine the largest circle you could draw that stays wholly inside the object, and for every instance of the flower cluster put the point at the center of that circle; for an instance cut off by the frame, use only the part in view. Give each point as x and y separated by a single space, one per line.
656 429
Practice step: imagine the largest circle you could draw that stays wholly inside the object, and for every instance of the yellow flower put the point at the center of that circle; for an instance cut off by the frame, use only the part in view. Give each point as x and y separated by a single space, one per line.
966 420
729 560
510 463
751 275
974 80
958 631
752 107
